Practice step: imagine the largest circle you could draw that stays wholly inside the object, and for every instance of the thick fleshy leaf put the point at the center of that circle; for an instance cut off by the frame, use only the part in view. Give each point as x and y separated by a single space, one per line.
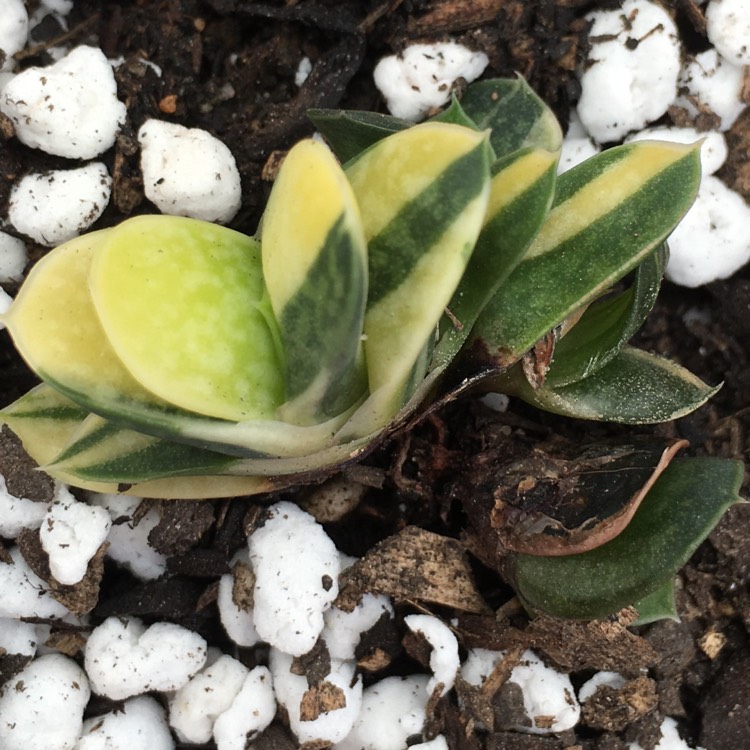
350 132
46 422
104 452
607 325
658 605
520 195
634 387
609 214
517 117
315 269
56 329
183 305
678 513
421 230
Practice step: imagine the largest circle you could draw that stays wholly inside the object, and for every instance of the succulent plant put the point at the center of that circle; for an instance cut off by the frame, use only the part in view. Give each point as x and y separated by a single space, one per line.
184 359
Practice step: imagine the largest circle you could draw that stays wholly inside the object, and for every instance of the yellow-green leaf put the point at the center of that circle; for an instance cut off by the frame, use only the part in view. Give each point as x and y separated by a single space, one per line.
423 195
183 305
315 268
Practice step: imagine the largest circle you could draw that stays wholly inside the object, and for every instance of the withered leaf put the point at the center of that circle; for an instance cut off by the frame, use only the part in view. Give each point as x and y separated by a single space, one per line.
547 503
415 565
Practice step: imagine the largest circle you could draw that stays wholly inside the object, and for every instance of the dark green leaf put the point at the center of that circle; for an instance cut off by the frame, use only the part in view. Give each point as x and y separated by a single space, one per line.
350 132
517 117
607 325
658 605
635 387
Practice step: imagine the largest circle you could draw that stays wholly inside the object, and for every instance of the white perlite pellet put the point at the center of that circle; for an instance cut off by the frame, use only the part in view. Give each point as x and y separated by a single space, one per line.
713 83
17 637
728 29
139 724
13 257
123 658
194 708
24 593
421 77
14 30
296 568
188 172
56 206
392 711
630 76
71 533
547 693
41 708
330 726
343 629
68 109
128 542
238 623
252 710
712 240
18 513
444 661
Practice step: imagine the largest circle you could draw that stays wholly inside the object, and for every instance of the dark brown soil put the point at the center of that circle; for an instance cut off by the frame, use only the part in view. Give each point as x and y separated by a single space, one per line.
228 66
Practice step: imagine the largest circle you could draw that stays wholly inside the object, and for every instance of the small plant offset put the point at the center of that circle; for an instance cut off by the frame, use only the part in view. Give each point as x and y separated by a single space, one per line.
183 359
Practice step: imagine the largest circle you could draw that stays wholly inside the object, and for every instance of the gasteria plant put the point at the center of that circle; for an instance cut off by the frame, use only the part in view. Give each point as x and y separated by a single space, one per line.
183 359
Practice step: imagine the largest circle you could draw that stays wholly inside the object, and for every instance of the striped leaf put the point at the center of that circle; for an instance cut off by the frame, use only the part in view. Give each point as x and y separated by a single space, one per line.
517 117
521 192
102 451
46 422
421 230
315 268
634 387
608 215
678 513
607 325
57 330
183 305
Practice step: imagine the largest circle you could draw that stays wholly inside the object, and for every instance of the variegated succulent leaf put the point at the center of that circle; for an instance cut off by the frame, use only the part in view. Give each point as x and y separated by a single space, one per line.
315 268
609 214
423 197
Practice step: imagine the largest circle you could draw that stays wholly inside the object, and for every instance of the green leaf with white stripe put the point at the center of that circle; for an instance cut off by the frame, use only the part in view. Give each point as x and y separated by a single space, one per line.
521 192
634 387
609 214
677 514
421 230
517 117
607 325
315 268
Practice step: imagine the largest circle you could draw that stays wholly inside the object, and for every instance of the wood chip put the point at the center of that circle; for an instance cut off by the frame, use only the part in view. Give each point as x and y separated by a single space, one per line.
413 565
